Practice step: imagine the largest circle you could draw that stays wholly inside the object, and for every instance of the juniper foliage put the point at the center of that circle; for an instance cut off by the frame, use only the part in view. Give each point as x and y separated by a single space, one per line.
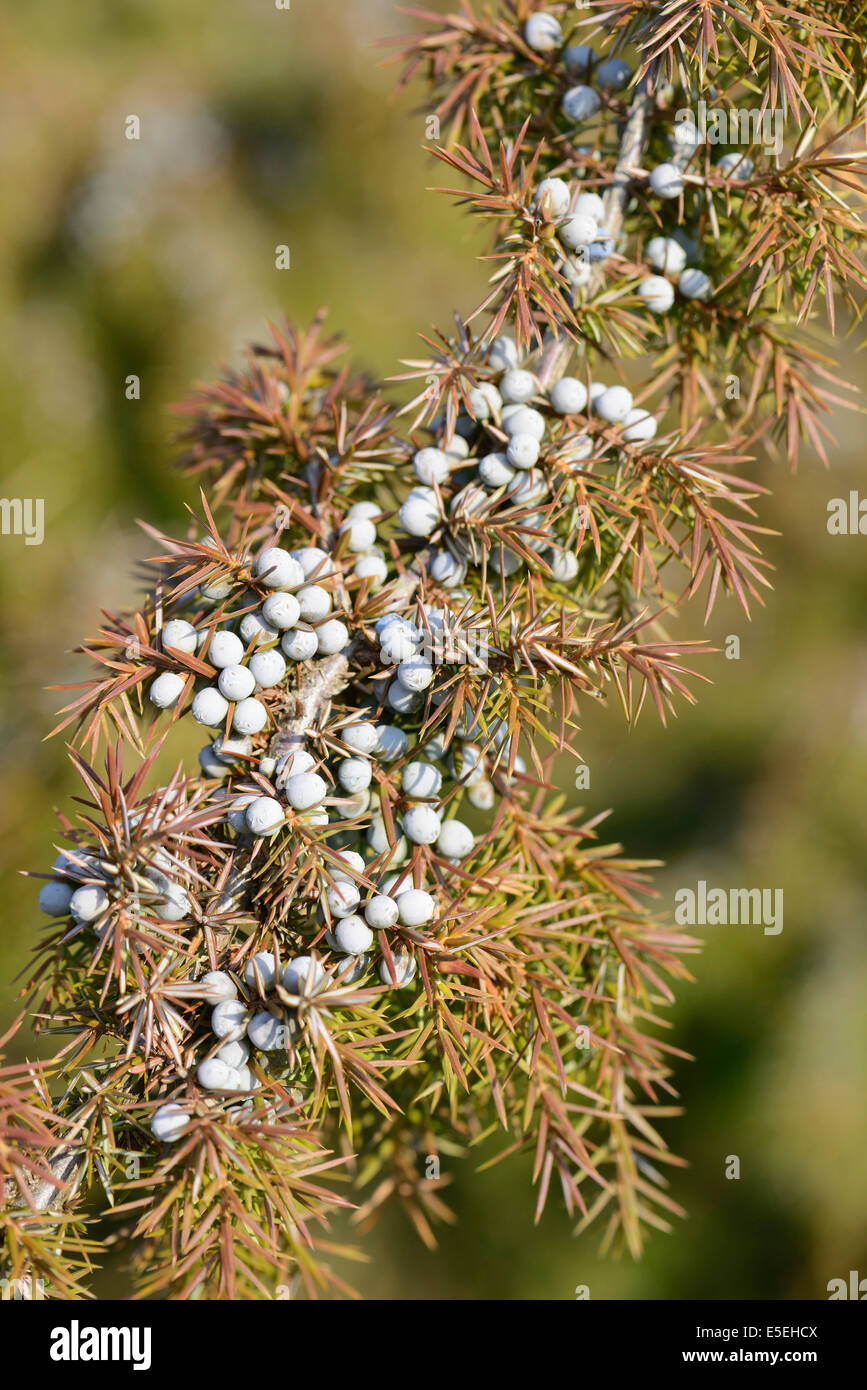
527 1001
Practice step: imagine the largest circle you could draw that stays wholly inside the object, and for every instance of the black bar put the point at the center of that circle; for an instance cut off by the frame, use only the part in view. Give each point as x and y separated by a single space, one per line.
651 1337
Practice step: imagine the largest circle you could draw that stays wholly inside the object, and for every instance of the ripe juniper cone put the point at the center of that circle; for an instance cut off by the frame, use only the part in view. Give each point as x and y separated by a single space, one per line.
360 929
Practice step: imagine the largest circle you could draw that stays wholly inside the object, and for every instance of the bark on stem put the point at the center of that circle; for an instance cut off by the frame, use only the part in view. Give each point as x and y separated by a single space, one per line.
318 684
557 349
46 1194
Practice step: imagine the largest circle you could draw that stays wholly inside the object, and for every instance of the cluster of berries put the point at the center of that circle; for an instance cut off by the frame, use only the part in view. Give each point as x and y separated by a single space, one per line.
580 227
88 889
294 623
501 466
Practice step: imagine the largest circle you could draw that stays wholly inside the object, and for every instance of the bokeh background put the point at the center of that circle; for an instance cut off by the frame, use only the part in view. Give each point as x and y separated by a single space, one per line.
156 257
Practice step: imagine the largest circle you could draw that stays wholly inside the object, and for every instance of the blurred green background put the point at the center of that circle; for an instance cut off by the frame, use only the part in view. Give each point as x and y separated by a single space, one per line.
155 257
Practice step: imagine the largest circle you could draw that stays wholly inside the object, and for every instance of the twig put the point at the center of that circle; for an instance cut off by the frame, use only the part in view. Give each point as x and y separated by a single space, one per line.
557 351
318 684
46 1194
